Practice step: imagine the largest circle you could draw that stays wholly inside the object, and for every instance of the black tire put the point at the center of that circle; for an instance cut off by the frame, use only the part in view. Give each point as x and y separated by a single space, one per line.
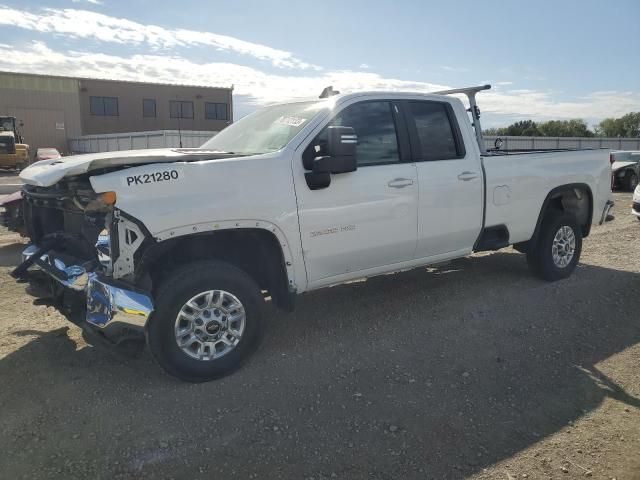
182 285
630 181
540 256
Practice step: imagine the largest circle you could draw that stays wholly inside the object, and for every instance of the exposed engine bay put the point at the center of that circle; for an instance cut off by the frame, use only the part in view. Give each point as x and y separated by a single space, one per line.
70 209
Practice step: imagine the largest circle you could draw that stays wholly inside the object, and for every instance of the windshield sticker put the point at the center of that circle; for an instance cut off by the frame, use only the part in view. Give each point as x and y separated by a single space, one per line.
291 121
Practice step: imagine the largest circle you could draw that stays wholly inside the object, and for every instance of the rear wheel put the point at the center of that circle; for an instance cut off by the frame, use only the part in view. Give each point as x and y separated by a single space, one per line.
631 181
207 321
558 247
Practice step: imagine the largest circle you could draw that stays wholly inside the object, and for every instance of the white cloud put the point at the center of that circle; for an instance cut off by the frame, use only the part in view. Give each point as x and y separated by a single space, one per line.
92 25
448 68
256 87
93 2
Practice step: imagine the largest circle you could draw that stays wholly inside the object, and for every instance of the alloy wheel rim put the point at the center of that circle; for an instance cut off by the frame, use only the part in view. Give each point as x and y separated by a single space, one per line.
563 247
210 325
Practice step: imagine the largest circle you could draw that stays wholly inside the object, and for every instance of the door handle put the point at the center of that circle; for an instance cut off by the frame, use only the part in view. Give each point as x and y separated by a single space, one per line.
400 182
466 176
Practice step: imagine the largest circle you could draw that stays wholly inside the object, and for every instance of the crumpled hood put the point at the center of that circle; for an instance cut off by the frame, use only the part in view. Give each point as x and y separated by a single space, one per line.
49 172
618 165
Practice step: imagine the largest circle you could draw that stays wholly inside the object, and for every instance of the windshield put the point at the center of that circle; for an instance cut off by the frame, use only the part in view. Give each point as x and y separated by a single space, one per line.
265 130
7 124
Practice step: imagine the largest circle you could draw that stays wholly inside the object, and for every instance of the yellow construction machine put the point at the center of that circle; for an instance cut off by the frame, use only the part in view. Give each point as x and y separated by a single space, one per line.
14 153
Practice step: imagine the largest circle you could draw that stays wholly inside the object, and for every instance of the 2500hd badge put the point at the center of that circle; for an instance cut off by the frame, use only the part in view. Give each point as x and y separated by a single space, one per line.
154 177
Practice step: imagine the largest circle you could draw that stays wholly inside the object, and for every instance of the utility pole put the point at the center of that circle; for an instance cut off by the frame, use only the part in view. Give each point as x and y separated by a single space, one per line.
179 121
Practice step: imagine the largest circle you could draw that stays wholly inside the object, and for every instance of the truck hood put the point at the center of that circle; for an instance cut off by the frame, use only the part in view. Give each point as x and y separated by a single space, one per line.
49 172
615 166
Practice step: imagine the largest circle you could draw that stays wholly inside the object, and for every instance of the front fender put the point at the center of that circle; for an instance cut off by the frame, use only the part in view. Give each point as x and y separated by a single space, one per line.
209 227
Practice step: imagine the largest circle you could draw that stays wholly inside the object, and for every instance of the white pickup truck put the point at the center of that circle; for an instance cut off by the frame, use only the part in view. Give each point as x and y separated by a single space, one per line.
183 246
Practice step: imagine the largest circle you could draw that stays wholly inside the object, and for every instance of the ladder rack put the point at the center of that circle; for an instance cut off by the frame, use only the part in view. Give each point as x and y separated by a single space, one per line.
470 92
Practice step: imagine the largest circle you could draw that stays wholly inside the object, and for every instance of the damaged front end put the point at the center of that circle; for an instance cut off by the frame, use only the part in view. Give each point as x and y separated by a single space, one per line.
84 247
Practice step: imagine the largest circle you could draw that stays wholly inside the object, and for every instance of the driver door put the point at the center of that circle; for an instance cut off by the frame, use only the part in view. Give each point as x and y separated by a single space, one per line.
366 219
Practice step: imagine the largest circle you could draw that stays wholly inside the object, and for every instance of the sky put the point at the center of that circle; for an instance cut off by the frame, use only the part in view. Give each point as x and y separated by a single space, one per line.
555 59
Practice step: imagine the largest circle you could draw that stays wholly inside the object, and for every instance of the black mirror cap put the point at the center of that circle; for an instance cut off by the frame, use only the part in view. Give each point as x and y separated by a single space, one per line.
341 141
341 147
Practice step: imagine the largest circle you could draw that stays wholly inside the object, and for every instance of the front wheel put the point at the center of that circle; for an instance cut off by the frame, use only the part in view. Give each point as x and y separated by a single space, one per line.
557 250
207 321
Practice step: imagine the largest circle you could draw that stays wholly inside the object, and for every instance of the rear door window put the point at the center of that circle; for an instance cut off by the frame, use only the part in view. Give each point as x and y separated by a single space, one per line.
437 132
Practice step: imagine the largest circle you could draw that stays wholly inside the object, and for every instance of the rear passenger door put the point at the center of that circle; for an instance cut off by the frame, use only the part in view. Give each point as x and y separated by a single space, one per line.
449 178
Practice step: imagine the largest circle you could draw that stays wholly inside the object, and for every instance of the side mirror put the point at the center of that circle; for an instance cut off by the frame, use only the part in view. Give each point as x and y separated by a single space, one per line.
341 148
340 157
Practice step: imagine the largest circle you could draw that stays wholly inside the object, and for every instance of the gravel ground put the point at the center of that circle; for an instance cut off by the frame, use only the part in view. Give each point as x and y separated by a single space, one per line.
473 370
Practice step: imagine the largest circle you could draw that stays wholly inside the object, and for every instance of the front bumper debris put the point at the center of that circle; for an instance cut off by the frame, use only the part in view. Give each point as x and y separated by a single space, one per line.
74 277
110 304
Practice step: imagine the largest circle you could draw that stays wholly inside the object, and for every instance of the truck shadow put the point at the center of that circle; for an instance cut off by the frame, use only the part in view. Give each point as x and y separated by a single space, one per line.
10 254
438 372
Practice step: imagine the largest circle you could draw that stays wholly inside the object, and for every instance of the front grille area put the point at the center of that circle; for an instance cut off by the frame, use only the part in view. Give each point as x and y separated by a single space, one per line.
636 207
61 209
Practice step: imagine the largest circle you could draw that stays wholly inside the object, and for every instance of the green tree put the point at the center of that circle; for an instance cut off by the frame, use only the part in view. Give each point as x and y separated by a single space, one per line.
527 128
493 132
626 126
565 128
551 128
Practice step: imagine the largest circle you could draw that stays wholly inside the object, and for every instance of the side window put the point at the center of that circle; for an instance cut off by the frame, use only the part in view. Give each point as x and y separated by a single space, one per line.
215 111
148 107
103 106
375 127
436 134
180 109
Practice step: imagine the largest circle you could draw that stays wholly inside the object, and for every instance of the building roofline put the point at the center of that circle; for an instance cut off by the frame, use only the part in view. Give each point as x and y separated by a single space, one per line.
130 82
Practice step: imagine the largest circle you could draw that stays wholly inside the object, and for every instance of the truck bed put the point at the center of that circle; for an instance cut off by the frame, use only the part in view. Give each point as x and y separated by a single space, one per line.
517 183
497 153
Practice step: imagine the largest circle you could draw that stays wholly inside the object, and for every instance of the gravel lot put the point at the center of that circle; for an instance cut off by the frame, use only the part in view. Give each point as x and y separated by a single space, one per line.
473 370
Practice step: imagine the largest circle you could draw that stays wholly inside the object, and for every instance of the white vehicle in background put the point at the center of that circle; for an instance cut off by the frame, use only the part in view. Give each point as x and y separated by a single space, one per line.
635 207
47 153
179 246
626 169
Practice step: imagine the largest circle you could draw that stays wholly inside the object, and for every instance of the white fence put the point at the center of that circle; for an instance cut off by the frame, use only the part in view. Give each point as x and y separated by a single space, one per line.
193 139
138 140
550 143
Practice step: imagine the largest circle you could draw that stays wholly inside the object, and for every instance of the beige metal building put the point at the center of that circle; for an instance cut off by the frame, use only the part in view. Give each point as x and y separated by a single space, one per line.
55 109
49 107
